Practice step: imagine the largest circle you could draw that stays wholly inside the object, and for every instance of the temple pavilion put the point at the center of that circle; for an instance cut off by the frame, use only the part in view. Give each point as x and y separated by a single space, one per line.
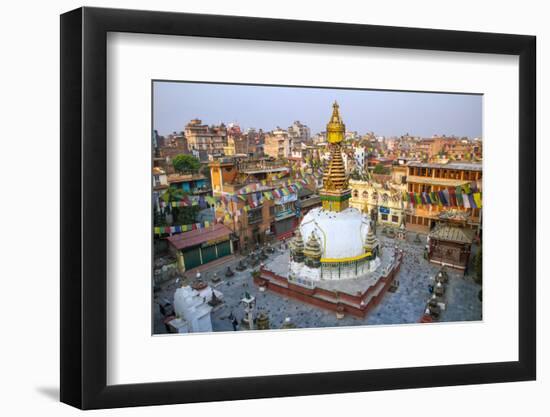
334 241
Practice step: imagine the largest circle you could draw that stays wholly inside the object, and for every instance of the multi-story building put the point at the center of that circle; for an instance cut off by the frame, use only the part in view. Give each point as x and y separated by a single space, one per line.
360 154
160 184
320 137
427 148
278 144
237 142
299 132
399 171
166 148
255 142
247 180
373 161
351 135
429 177
381 200
391 144
477 148
201 137
462 149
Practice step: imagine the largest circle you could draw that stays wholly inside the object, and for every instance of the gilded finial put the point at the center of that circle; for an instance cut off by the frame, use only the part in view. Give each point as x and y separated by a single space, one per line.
336 127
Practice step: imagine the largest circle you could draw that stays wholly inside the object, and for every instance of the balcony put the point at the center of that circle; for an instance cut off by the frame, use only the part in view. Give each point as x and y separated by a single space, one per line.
200 190
284 214
254 167
255 219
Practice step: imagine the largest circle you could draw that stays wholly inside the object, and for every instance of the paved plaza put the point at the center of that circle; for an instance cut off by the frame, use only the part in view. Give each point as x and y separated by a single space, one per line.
406 305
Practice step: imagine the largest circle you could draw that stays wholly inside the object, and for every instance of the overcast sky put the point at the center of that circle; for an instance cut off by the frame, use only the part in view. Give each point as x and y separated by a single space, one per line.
387 113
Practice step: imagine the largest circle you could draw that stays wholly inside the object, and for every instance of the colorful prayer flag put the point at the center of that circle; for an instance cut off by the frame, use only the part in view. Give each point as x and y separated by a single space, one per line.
458 193
477 199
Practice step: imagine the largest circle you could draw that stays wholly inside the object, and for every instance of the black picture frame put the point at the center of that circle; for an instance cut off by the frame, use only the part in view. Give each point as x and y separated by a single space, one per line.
84 207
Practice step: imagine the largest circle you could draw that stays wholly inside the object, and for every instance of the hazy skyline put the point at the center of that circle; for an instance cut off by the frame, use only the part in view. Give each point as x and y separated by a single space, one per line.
386 113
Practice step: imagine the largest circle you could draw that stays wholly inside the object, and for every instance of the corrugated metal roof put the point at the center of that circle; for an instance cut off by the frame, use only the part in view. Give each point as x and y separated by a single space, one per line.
465 166
453 234
199 236
435 181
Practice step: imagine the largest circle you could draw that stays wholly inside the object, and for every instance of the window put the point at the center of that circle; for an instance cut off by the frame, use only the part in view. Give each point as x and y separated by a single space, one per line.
255 215
384 217
365 194
395 219
355 193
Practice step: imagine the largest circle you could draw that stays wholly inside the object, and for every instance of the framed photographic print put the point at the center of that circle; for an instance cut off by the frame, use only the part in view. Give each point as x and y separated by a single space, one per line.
258 208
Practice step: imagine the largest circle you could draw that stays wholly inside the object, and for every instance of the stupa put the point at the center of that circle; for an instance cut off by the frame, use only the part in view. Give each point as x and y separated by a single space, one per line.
335 258
340 243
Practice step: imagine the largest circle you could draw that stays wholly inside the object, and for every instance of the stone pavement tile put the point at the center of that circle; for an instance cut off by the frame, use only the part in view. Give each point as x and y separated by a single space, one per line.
406 305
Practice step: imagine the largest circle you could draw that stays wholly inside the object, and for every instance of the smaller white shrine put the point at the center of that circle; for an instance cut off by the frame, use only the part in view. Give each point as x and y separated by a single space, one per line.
193 310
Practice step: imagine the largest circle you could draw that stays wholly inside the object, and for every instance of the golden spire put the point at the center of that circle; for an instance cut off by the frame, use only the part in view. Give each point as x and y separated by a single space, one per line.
334 177
335 193
335 127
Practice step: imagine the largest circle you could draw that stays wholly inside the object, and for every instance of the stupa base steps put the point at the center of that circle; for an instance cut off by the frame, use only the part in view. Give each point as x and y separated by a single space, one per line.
341 303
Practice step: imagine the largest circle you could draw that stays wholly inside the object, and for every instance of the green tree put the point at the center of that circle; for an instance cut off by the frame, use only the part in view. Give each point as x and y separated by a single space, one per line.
186 163
381 169
187 215
173 194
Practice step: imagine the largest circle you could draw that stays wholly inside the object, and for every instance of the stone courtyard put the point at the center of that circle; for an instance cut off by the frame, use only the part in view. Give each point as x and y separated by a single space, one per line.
405 305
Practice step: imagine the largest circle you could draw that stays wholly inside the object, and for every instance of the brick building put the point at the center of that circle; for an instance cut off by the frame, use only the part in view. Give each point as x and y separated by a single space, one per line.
201 137
429 177
249 179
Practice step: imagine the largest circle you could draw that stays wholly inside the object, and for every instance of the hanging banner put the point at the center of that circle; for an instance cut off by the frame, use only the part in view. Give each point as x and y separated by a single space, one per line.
161 230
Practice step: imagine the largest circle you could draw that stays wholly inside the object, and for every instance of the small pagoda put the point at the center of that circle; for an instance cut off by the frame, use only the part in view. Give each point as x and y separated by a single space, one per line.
371 245
312 252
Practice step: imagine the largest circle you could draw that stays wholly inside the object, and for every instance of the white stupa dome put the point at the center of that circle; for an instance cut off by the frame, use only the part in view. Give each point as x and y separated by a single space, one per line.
342 234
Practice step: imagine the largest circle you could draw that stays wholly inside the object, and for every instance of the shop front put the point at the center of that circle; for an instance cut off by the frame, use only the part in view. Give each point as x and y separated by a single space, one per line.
285 219
201 246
